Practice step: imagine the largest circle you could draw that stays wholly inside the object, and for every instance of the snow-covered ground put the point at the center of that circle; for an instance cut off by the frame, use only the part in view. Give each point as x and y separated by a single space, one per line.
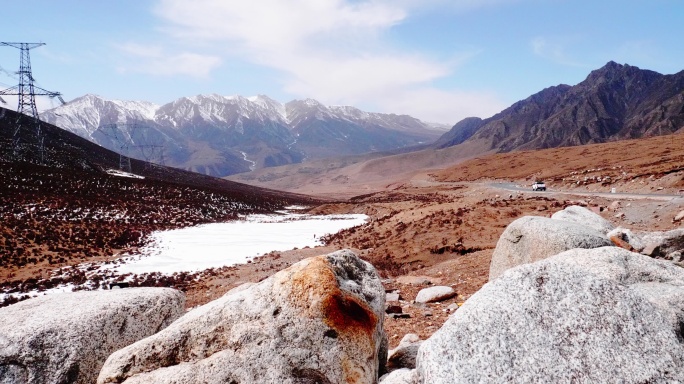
222 244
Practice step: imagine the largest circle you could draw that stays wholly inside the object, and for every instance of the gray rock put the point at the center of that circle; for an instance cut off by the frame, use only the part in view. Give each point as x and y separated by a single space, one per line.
531 238
662 244
320 320
436 293
627 236
659 281
584 216
679 216
404 355
400 376
65 338
599 315
392 296
676 256
615 205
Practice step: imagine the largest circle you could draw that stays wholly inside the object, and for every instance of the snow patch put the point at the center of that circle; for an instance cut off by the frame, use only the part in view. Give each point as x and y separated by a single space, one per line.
224 244
253 163
116 172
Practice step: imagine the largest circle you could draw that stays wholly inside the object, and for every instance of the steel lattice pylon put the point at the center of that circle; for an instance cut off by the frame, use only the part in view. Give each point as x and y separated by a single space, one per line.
27 91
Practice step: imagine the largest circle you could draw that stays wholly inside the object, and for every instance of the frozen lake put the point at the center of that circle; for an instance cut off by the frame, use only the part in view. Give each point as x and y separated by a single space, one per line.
221 244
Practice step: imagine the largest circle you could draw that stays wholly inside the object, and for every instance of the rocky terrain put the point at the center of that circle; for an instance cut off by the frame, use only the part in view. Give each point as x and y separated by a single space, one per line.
461 272
434 227
568 296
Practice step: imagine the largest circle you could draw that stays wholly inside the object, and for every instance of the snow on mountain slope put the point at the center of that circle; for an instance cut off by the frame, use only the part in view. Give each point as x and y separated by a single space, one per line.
86 114
229 134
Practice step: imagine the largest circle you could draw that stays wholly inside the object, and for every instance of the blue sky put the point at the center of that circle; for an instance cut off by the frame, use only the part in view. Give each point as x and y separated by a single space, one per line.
437 60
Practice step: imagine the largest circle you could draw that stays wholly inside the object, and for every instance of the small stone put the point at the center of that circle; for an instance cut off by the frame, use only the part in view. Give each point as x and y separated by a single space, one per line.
399 316
433 294
392 297
621 243
679 216
393 309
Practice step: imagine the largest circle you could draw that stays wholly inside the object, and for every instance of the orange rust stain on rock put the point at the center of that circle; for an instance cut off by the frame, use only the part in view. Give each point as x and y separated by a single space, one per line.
315 287
621 243
344 312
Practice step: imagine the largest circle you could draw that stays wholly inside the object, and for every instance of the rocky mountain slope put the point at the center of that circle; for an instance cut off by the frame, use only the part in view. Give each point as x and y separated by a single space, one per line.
219 135
615 102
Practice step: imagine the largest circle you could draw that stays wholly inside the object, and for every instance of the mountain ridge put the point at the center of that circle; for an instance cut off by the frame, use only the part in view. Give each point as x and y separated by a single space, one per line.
614 102
222 135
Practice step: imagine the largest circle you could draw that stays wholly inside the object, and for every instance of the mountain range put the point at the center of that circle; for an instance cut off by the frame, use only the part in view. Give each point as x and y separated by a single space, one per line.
223 135
220 136
613 103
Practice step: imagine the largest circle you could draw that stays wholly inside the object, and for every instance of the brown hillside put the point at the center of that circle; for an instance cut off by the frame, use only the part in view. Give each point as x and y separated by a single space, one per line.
615 164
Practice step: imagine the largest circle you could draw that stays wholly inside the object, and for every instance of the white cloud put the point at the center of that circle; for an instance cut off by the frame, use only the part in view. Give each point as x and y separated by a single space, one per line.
336 51
554 51
435 105
155 61
459 6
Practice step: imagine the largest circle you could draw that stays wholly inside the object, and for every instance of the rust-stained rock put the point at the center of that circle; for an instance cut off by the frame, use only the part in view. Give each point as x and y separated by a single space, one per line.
621 243
319 320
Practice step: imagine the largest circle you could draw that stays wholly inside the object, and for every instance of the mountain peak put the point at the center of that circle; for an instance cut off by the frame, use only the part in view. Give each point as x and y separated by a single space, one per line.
620 74
611 65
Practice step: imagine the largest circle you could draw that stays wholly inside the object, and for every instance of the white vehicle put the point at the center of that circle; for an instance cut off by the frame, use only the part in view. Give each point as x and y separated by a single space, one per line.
539 186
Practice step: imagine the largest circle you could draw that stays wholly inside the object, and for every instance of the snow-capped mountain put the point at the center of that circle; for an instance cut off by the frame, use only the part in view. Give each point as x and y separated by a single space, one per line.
85 114
223 135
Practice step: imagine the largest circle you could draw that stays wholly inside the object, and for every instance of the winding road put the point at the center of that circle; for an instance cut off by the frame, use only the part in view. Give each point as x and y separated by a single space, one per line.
618 195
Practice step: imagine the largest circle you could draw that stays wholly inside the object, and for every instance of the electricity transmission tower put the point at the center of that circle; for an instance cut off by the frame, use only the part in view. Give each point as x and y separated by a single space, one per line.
27 92
123 137
118 138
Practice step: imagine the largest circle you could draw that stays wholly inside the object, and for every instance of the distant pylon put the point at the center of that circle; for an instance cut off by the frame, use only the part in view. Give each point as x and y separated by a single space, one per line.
26 92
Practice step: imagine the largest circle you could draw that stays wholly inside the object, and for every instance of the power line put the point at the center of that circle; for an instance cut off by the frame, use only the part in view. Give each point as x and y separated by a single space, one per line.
125 138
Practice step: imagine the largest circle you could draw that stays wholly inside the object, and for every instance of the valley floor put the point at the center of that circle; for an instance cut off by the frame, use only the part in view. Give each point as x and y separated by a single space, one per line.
442 234
434 228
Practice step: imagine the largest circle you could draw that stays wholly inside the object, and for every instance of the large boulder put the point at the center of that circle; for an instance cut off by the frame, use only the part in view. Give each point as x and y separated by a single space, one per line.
662 244
532 238
659 281
584 216
319 320
599 315
65 338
